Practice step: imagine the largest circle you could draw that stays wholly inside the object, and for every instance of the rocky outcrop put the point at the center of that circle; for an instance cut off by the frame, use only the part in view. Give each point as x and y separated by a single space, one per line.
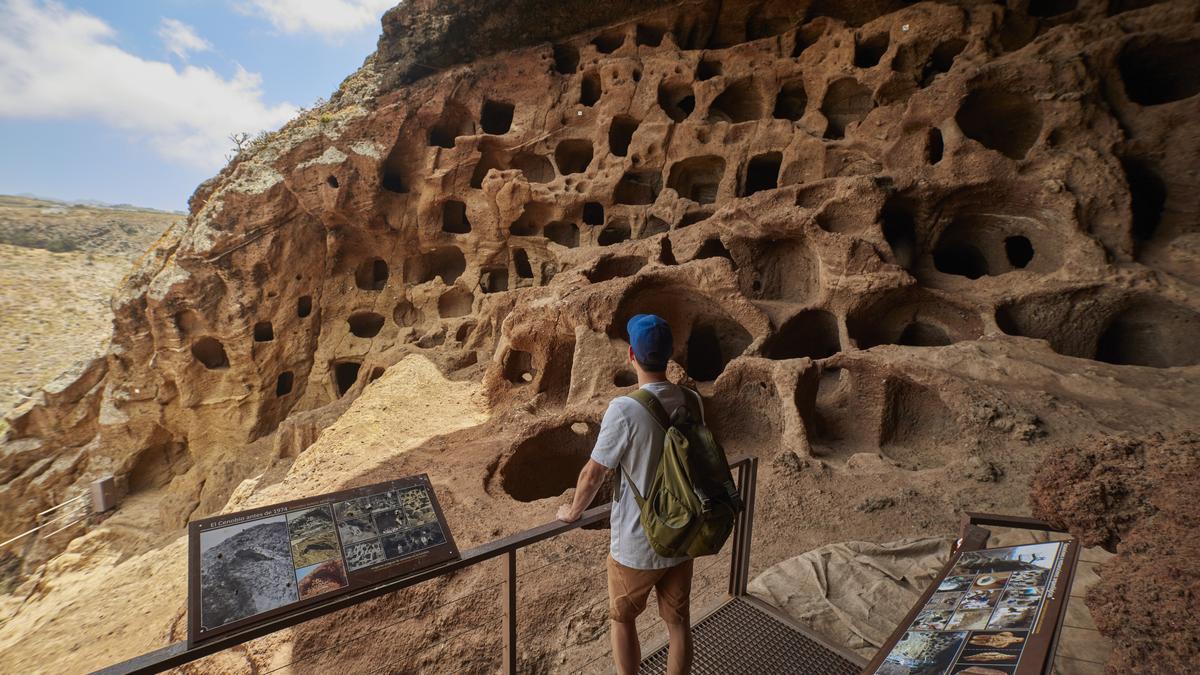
1135 497
904 241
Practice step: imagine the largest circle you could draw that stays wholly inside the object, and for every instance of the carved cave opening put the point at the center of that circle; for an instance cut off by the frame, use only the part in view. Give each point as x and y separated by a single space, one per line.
283 383
697 178
496 117
454 217
812 333
791 101
638 188
573 156
740 102
620 134
446 262
548 463
762 173
365 324
264 331
210 353
345 376
1007 122
869 50
846 102
677 100
371 275
564 234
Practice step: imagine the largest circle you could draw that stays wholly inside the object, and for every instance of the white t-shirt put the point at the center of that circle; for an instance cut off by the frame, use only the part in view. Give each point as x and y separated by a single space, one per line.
631 438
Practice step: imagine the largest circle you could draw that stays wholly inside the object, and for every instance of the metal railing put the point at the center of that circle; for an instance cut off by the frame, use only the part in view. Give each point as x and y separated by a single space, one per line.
178 653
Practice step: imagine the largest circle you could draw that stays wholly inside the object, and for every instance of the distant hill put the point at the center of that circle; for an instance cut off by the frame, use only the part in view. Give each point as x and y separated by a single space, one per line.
60 226
59 264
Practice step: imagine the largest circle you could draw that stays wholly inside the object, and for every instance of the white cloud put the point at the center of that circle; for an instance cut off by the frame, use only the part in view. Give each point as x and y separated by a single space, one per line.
180 38
58 63
327 17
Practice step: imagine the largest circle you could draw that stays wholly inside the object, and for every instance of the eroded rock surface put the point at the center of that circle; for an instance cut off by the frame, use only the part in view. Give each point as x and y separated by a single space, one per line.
903 247
1137 498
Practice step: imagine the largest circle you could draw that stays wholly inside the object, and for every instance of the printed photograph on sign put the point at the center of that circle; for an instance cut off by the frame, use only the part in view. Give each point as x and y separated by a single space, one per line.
312 536
354 530
932 620
412 541
1013 617
418 506
389 522
1029 558
943 601
1027 578
979 600
364 554
922 653
1018 601
991 582
246 569
955 583
1001 656
353 508
321 578
969 619
384 501
1000 640
977 669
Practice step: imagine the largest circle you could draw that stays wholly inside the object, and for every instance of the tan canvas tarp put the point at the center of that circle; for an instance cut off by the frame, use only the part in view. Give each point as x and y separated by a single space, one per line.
854 593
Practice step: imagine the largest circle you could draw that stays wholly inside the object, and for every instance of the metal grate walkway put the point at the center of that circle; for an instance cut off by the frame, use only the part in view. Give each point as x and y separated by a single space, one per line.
740 637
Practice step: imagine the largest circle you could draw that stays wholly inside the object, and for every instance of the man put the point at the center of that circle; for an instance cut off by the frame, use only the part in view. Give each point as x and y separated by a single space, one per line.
630 442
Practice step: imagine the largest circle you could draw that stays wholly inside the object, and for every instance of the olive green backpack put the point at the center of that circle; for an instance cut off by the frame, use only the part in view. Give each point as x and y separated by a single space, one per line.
692 502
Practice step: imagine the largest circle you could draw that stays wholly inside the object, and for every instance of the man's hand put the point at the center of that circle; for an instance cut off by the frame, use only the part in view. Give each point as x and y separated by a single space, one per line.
590 480
567 514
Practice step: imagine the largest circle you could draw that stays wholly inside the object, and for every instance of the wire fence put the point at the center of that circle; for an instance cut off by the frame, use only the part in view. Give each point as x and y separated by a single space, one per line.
80 509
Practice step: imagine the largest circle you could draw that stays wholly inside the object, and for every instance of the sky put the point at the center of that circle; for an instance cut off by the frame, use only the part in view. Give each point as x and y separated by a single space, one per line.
133 101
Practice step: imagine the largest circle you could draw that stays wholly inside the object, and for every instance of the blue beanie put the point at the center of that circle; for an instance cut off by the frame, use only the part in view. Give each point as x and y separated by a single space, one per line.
650 338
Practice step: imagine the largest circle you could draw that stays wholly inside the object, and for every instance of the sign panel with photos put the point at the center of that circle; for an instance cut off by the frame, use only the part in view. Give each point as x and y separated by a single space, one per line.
249 566
995 612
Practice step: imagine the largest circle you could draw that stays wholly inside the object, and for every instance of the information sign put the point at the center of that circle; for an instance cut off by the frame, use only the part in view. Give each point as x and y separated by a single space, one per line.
249 566
994 612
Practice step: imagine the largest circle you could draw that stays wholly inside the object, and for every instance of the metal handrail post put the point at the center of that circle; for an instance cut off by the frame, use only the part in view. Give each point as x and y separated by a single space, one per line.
748 534
739 526
510 613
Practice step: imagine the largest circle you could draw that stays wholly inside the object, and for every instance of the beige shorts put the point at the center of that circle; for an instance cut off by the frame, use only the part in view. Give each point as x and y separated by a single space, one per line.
629 588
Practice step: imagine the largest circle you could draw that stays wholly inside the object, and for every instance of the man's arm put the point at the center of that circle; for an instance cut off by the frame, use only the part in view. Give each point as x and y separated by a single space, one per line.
590 479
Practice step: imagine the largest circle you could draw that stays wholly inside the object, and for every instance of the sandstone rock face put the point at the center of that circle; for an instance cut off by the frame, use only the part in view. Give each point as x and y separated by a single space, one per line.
1135 497
905 242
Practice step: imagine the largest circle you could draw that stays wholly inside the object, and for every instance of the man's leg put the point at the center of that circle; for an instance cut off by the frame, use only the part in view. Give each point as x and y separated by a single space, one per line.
679 656
674 592
628 590
627 652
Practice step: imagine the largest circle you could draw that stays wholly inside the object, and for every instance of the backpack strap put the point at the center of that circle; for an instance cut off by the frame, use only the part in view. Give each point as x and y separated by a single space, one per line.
652 405
694 403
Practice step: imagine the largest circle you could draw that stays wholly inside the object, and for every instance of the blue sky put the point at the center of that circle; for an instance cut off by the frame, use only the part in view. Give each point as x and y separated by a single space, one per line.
130 101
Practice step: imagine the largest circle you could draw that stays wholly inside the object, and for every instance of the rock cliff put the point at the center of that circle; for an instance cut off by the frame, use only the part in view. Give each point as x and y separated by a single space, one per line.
909 242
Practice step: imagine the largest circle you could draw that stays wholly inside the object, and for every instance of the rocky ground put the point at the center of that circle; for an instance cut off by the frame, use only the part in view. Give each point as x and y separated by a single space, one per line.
907 250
